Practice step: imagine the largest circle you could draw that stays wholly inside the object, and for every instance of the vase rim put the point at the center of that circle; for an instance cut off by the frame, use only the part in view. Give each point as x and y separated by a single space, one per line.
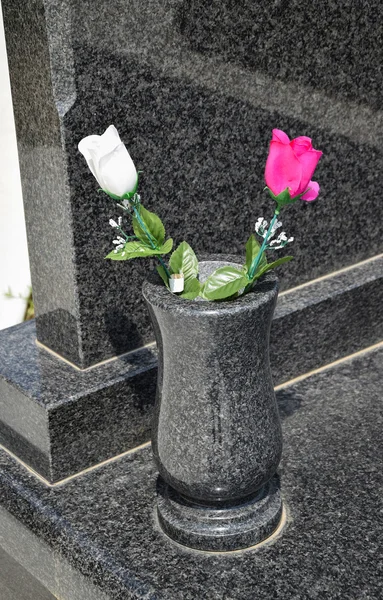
155 292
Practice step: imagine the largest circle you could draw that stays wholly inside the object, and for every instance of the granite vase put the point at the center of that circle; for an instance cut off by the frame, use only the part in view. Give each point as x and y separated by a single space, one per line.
216 434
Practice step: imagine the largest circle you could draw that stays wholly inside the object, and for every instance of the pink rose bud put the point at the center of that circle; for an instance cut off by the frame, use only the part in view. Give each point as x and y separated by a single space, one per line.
291 165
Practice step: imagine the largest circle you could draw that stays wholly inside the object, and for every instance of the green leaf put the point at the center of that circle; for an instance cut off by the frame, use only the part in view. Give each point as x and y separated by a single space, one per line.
166 247
223 283
138 249
183 260
162 273
192 289
150 224
272 265
252 251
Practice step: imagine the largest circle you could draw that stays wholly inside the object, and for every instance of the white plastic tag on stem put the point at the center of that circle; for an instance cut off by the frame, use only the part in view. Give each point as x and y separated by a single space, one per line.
176 283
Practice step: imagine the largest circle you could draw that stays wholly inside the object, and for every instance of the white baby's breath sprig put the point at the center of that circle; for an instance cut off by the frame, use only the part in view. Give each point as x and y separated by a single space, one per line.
274 228
119 240
125 205
280 242
261 227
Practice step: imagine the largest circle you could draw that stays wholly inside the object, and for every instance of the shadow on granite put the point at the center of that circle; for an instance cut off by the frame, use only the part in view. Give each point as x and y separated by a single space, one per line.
289 402
334 41
100 528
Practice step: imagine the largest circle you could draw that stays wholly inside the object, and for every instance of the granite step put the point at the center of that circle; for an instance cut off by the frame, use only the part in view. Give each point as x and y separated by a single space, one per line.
60 420
96 536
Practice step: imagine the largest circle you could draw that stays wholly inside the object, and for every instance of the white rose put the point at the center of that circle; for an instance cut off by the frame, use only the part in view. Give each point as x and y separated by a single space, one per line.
110 162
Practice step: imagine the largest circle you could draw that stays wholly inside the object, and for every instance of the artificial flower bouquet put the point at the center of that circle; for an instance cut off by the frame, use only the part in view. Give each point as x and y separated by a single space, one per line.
289 168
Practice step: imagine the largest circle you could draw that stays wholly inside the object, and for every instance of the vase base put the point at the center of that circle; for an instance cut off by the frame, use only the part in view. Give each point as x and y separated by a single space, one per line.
220 529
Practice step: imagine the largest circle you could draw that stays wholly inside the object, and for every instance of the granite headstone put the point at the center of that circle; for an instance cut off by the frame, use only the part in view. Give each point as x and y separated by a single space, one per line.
195 89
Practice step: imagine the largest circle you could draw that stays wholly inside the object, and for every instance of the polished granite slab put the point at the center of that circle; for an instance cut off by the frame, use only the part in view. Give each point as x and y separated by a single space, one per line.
97 537
195 89
326 319
60 420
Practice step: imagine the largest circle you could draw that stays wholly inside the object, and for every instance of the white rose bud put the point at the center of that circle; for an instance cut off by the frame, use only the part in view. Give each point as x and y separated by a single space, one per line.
110 162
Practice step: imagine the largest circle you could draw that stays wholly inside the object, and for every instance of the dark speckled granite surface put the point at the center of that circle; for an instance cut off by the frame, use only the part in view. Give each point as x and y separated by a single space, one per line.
96 537
60 420
216 433
195 89
326 320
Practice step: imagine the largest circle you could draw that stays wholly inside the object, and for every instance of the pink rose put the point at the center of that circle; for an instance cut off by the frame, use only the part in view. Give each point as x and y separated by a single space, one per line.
291 165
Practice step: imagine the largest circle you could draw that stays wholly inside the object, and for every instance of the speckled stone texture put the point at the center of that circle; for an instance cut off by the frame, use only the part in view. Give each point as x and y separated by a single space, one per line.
216 433
195 89
327 319
220 528
97 537
312 326
60 420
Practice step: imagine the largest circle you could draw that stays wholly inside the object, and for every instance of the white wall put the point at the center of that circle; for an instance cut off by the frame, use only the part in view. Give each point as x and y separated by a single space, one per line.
14 264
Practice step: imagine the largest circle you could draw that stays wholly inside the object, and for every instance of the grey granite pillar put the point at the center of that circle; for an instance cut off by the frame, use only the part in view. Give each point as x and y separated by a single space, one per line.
85 306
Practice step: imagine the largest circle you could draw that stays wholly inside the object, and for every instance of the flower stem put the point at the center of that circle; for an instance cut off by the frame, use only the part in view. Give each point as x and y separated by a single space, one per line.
164 266
142 224
126 236
257 259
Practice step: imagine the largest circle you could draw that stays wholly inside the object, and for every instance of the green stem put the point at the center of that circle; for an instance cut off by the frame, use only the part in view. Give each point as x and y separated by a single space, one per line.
142 224
164 266
126 236
257 259
153 245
